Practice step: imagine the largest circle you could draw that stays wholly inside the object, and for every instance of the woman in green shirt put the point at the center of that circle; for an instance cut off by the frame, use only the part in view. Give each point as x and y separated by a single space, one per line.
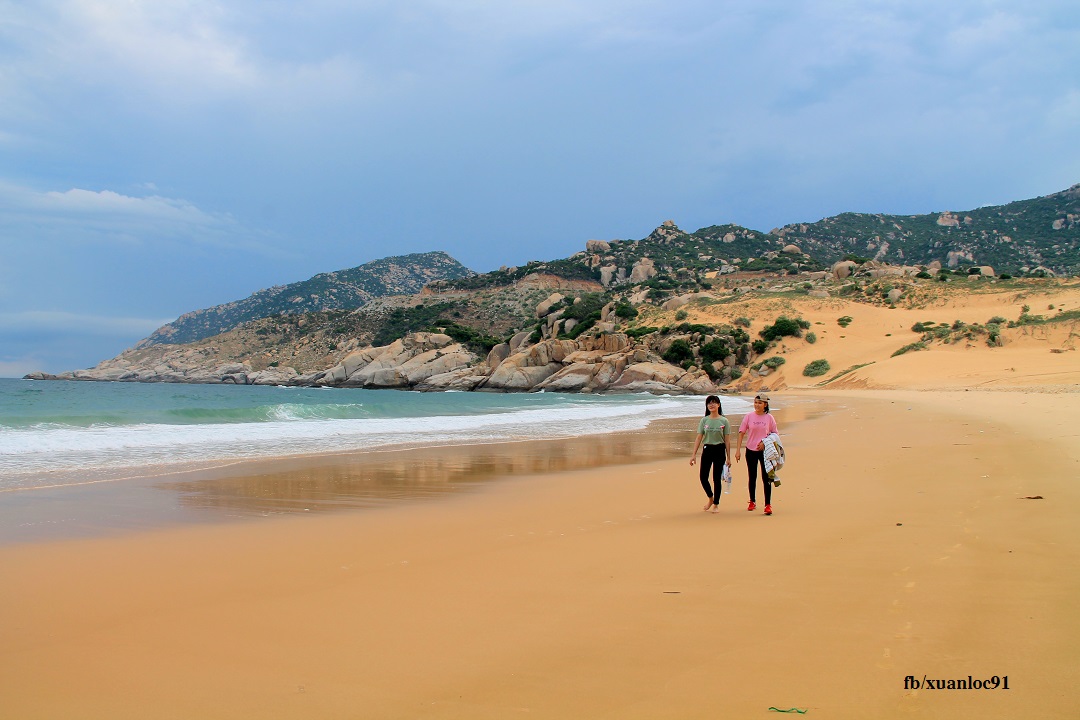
713 430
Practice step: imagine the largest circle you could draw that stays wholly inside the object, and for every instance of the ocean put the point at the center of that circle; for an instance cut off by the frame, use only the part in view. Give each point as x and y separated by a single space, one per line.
54 434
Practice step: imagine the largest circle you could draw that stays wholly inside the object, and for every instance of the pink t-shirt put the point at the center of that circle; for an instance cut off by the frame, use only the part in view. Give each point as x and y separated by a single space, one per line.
756 428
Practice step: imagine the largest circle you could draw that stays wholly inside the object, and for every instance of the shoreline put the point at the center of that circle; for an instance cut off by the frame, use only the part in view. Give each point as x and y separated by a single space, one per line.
245 489
903 544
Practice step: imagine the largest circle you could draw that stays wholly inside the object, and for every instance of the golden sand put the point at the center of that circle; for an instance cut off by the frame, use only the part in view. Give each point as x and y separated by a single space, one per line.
902 544
921 530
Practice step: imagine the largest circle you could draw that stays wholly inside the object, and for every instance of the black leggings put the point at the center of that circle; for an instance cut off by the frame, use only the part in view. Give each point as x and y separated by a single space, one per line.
712 456
754 458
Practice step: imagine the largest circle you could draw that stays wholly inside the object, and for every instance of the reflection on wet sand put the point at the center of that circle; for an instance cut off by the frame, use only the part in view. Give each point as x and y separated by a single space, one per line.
359 480
329 482
375 478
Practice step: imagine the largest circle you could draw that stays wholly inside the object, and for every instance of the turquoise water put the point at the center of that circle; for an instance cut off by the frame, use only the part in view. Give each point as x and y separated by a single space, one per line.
70 433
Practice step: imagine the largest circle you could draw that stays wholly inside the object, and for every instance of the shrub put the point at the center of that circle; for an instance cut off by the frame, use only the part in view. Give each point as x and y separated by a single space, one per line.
470 337
639 331
713 351
923 275
679 352
760 346
694 328
804 324
743 321
582 326
811 337
736 373
921 327
783 327
591 304
910 347
844 321
816 368
1005 276
996 320
681 315
625 311
774 362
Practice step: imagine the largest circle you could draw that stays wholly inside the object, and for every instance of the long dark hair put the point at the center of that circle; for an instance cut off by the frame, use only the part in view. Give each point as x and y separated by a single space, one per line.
719 410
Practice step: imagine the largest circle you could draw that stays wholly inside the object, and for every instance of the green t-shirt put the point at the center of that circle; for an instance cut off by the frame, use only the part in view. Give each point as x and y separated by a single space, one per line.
714 429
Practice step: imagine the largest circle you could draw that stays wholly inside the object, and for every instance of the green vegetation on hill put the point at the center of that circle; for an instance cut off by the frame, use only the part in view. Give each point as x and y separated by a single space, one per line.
377 303
1041 232
341 290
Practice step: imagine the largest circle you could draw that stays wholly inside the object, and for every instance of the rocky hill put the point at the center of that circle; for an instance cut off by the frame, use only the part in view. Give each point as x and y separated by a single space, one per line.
1036 236
344 289
619 315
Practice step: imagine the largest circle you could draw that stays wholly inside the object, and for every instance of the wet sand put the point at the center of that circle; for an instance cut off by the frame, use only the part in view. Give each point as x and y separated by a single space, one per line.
903 544
255 489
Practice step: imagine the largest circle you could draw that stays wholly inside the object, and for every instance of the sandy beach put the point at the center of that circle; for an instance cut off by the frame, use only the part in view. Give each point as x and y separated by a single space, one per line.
904 544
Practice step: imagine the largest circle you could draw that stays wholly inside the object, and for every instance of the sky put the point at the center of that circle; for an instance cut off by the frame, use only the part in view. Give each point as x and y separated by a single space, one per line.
161 156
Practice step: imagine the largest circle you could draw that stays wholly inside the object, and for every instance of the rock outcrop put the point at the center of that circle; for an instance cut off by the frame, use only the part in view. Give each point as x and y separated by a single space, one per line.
608 362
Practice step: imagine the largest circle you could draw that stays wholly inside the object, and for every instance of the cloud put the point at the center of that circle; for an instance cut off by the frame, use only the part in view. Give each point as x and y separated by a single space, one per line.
81 215
90 203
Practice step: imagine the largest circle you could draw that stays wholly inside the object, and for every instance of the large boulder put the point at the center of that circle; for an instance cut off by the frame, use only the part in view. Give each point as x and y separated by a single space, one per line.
277 376
497 354
389 377
843 269
609 371
436 362
571 378
518 340
643 270
698 384
545 306
463 379
516 377
677 302
660 372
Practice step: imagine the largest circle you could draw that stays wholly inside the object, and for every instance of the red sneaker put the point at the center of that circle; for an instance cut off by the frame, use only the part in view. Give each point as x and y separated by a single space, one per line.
768 509
751 506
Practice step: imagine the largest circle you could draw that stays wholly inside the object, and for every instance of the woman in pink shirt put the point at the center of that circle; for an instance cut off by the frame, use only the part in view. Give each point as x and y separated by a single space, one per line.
753 428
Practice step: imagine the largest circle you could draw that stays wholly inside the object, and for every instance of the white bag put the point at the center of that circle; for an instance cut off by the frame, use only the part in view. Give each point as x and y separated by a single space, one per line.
725 478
